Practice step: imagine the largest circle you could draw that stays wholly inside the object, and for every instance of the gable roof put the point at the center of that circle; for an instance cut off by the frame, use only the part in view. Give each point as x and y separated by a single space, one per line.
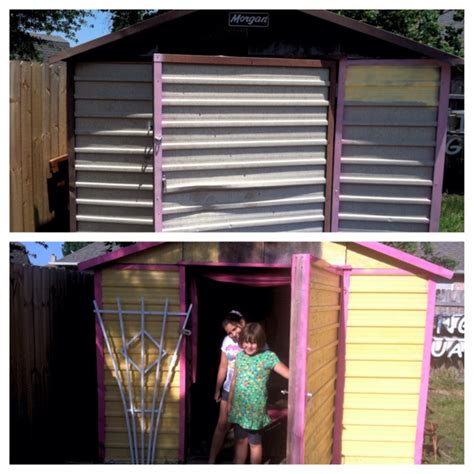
321 14
400 256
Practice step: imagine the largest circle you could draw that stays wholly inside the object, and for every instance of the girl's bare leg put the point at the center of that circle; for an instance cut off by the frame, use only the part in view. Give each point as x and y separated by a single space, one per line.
222 428
255 454
241 451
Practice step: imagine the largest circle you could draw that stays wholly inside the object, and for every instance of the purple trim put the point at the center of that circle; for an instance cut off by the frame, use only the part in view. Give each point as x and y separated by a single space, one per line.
395 62
255 279
194 328
381 271
157 142
164 267
233 264
300 285
425 372
341 369
407 258
441 136
123 252
182 371
100 361
338 145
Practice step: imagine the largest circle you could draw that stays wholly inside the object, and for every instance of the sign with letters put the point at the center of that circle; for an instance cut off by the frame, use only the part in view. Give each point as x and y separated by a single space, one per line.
245 19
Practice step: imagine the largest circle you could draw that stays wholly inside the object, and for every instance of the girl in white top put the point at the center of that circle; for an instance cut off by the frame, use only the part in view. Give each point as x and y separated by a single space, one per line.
232 325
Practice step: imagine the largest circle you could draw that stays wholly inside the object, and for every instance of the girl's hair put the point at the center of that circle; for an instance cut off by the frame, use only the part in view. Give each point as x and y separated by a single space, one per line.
232 317
253 333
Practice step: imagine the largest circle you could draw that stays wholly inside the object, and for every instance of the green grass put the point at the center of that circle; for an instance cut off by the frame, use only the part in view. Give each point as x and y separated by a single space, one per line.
452 213
446 409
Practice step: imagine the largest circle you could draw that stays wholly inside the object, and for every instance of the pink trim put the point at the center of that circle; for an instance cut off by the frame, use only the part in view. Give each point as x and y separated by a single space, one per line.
300 285
157 142
381 271
99 349
407 258
341 369
336 190
337 269
425 372
441 136
123 252
164 267
395 62
194 328
233 264
182 372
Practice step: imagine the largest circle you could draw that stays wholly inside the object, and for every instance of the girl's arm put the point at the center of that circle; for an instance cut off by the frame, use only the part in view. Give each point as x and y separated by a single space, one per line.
221 373
282 369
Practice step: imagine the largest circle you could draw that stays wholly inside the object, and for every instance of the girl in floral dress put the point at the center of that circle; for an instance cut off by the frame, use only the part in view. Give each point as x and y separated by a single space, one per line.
248 394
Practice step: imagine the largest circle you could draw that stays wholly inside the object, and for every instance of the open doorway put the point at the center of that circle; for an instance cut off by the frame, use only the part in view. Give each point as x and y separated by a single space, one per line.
269 304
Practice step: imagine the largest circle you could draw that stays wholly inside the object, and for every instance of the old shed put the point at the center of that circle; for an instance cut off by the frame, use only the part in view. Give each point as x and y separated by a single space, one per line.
263 121
354 321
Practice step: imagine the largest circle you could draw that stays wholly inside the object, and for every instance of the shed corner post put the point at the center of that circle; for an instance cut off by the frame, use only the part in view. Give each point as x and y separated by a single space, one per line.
300 281
157 142
425 371
336 176
100 361
182 370
341 367
70 127
441 137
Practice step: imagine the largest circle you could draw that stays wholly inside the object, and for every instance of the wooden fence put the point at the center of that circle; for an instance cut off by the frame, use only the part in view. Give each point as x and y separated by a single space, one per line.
53 389
38 133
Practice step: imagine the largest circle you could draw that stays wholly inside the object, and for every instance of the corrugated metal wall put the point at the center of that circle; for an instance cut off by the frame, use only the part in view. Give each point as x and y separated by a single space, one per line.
384 353
155 287
114 146
244 147
323 325
388 147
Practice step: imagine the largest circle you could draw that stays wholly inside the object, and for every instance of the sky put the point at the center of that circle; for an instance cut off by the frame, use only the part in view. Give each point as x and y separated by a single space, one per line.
43 256
97 26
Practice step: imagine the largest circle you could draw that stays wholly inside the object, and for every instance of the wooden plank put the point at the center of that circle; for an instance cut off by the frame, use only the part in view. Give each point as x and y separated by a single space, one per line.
46 125
368 448
379 433
54 111
39 185
376 460
381 401
393 352
381 385
388 284
26 148
62 110
169 253
405 301
16 179
379 335
386 318
375 368
381 417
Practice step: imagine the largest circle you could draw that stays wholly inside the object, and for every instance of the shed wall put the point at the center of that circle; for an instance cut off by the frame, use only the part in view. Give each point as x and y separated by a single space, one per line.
384 354
155 287
244 146
323 327
388 147
113 131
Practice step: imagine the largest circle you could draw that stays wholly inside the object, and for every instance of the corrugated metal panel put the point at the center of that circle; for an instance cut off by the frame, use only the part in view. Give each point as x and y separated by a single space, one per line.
388 147
155 287
323 324
384 353
114 147
244 147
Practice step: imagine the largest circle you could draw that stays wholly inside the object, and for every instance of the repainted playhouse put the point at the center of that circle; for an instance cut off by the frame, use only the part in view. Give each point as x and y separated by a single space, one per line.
354 322
265 121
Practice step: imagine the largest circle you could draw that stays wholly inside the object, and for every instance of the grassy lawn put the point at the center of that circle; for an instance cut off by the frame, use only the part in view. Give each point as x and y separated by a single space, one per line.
446 409
452 213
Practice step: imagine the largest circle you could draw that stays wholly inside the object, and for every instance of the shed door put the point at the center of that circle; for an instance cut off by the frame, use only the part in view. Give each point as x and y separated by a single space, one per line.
242 144
315 315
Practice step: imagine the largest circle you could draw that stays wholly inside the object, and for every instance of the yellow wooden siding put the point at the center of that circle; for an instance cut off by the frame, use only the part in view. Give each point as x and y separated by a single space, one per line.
393 84
154 287
201 251
165 253
333 252
364 258
323 327
384 354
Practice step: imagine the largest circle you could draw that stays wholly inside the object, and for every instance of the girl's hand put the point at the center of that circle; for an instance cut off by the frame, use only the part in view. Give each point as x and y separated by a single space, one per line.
217 396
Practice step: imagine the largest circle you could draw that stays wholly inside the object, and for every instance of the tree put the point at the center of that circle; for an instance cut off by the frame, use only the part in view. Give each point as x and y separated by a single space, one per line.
123 18
25 22
70 247
419 25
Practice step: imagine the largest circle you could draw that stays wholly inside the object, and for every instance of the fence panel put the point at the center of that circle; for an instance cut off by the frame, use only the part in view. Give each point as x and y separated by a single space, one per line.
37 134
53 401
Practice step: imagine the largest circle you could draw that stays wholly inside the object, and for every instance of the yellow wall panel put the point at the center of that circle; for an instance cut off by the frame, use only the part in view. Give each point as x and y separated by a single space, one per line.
201 251
164 253
379 401
385 73
320 317
386 318
388 284
394 94
364 258
381 417
333 253
383 335
378 433
369 448
140 279
384 352
375 460
374 368
411 301
381 385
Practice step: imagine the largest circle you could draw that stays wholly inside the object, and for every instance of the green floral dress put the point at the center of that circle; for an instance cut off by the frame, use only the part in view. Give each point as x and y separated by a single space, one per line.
249 405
